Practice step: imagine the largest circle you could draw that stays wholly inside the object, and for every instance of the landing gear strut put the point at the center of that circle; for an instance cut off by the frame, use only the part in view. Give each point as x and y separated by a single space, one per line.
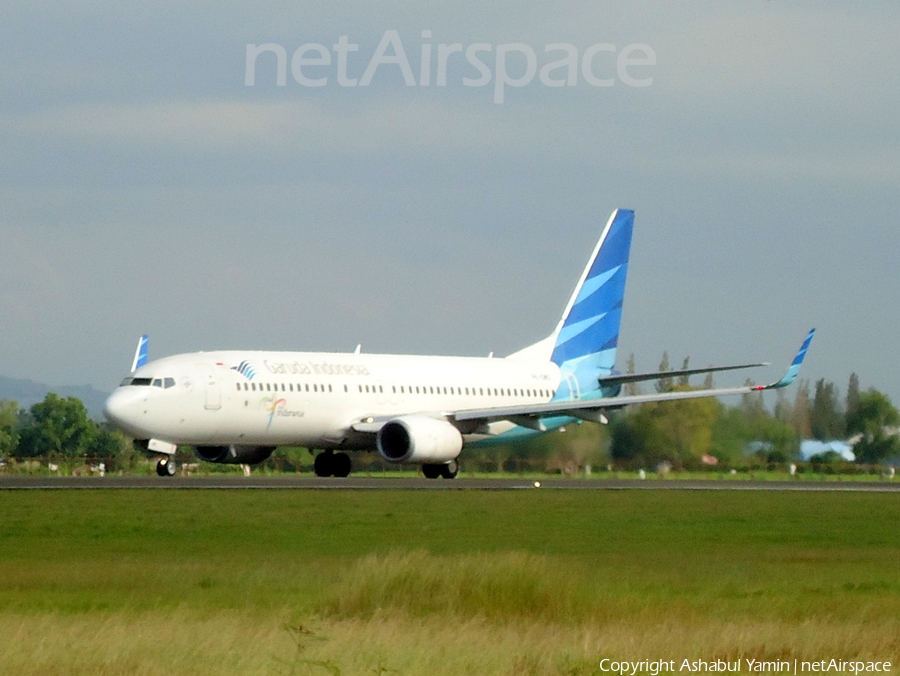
447 470
166 467
329 463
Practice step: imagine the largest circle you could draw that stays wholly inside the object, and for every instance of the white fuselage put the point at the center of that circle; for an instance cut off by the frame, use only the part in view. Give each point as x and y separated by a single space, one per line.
312 399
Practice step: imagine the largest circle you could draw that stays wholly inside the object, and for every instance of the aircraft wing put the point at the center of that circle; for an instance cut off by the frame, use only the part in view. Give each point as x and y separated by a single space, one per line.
529 415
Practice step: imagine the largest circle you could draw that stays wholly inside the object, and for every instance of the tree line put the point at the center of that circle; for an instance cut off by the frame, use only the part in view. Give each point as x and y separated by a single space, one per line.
702 433
59 430
684 432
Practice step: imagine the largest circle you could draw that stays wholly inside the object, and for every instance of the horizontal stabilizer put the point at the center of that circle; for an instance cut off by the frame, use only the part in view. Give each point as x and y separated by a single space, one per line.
606 381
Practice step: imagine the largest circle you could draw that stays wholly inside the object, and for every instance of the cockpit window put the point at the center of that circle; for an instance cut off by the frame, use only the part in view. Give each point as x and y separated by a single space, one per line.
170 382
157 382
141 381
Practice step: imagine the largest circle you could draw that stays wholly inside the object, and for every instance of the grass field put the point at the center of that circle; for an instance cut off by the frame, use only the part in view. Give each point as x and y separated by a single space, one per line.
529 582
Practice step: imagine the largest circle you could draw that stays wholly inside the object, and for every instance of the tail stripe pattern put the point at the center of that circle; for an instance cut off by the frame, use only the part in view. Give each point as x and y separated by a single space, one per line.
590 330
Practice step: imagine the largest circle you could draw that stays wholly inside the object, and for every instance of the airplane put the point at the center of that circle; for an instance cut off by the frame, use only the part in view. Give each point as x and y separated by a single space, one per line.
236 407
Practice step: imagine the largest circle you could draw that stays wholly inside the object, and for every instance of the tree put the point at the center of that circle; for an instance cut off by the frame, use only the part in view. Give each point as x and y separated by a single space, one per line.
801 411
664 384
852 396
826 421
873 415
752 403
684 380
113 446
782 439
58 428
679 431
631 388
9 423
735 430
784 410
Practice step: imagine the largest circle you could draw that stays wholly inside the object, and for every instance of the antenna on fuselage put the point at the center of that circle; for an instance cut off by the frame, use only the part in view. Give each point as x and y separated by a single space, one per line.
358 349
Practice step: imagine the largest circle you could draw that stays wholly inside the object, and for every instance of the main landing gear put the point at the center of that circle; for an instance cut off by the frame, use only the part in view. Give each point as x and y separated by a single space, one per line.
329 463
166 466
447 470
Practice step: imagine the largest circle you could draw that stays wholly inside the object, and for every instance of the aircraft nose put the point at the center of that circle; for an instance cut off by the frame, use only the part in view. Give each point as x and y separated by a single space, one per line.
124 408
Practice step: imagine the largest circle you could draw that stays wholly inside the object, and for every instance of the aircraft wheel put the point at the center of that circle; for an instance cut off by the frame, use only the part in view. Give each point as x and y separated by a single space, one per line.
324 464
450 470
431 471
166 467
341 465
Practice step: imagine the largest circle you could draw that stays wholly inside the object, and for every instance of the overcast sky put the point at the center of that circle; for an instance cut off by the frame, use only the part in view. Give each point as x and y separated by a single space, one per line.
146 188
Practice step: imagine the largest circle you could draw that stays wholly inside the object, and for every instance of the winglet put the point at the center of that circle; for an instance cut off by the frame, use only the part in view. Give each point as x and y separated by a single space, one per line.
140 354
791 374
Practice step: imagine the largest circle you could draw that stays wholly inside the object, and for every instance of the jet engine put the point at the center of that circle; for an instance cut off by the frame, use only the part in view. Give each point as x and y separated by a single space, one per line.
233 455
415 438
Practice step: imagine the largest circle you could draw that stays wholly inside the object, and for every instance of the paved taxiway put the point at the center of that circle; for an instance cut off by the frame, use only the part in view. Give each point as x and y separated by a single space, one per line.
397 483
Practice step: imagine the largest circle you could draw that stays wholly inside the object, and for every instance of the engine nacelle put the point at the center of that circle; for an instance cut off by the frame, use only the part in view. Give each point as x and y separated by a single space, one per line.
415 438
233 455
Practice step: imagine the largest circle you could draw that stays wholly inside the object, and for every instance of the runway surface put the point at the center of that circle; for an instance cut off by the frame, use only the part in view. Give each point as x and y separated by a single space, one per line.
405 483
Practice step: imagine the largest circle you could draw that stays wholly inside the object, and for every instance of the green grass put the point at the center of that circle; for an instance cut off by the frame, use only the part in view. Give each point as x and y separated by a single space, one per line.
532 581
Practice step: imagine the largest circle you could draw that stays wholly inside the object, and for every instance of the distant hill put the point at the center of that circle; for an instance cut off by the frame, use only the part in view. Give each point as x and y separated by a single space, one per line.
28 392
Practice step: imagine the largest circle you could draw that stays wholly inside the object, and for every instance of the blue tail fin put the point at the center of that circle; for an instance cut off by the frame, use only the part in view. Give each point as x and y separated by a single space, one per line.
141 353
588 333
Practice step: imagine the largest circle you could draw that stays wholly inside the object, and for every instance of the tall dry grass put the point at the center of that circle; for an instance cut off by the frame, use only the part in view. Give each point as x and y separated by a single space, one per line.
351 583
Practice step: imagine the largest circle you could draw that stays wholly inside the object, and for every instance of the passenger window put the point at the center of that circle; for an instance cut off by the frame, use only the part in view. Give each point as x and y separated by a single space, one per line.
329 387
315 388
